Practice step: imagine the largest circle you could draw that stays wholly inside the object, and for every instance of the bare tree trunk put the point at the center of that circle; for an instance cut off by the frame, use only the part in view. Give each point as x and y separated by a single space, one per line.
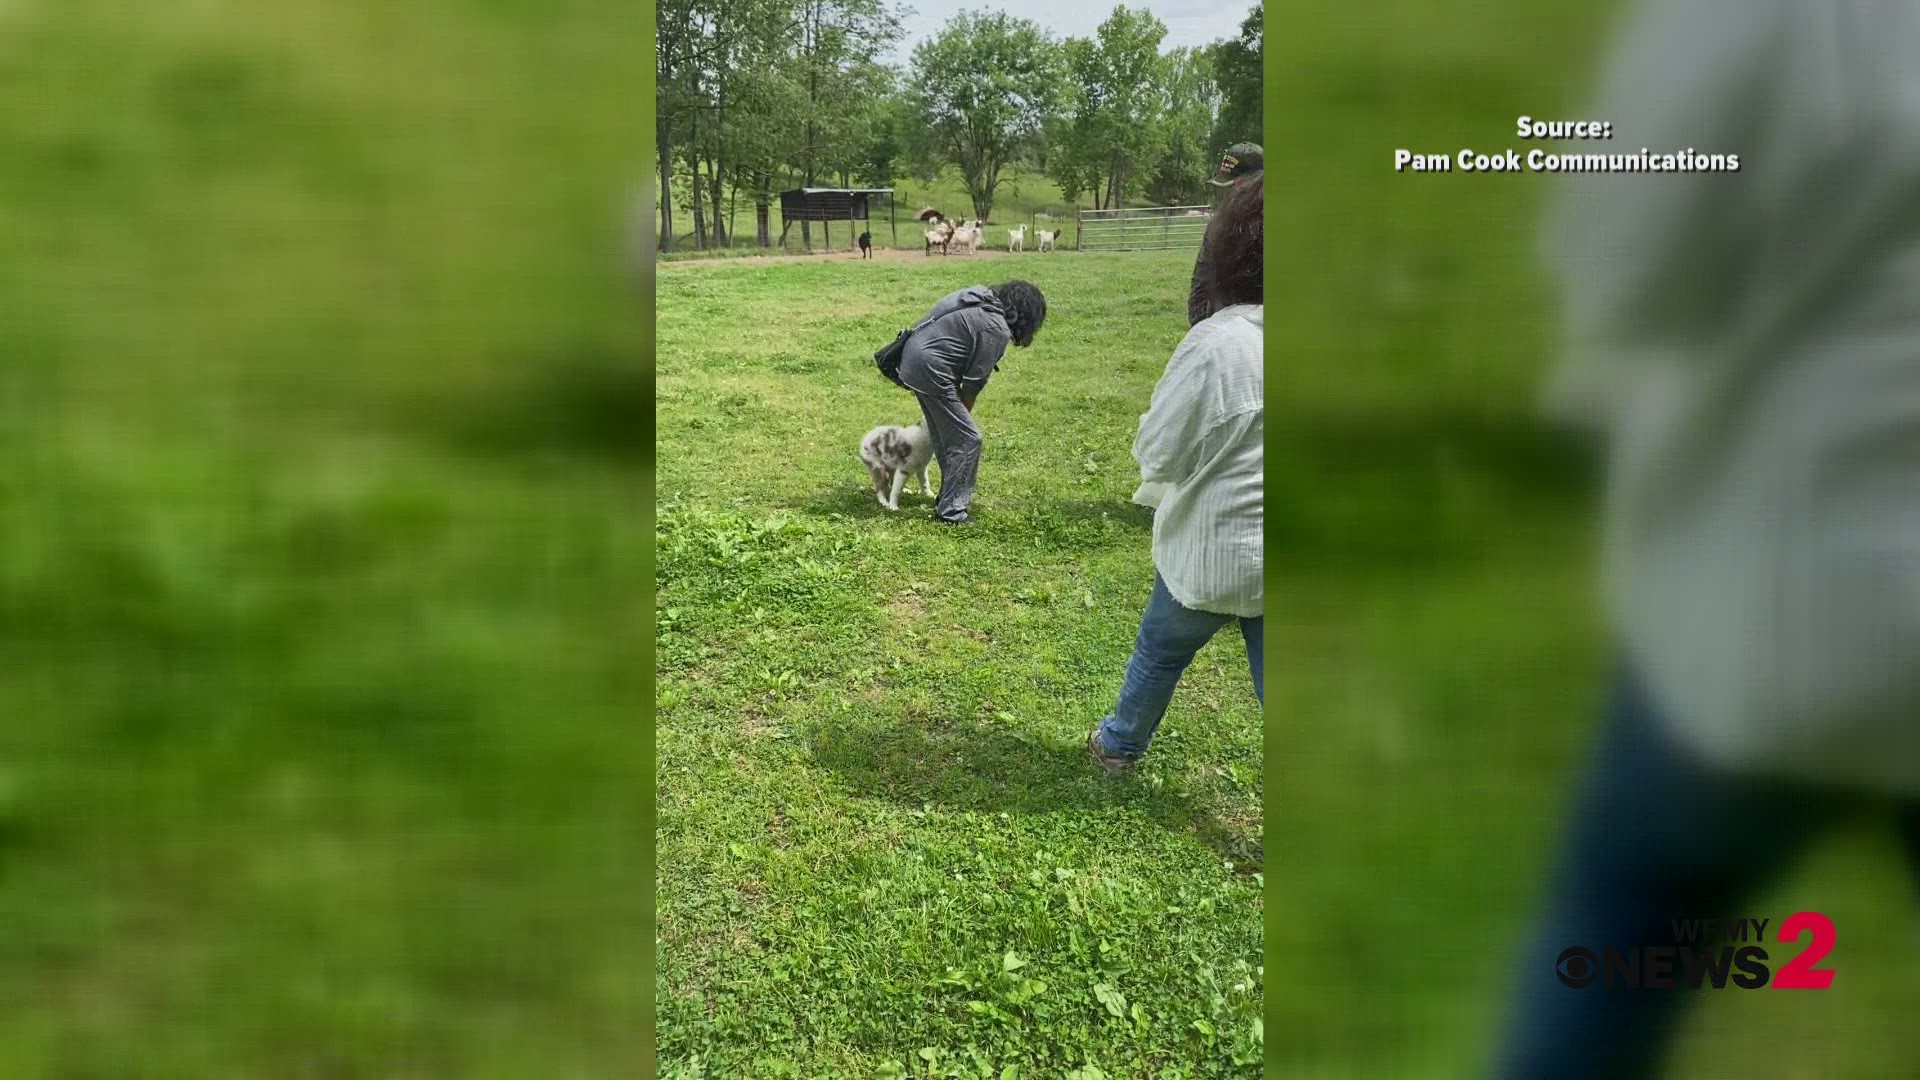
733 206
699 211
714 182
714 171
693 169
664 136
763 227
813 100
806 227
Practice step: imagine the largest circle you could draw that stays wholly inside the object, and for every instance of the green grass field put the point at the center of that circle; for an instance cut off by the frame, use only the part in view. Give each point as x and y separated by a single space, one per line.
1431 546
320 554
881 851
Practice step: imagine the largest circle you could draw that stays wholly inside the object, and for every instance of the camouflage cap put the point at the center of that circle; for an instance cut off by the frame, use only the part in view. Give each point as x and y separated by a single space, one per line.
1241 159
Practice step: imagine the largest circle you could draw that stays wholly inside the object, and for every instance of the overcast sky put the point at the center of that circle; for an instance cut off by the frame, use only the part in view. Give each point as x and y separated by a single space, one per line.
1189 22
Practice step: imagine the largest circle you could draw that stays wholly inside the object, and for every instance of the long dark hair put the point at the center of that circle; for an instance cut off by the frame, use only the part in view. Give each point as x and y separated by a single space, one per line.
1235 271
1024 307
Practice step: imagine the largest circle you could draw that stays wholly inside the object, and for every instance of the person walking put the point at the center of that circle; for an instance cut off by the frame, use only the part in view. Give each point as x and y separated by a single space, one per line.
948 361
1201 454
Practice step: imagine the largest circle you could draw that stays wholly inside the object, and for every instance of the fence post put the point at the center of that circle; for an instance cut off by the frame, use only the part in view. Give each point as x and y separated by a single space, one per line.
1079 227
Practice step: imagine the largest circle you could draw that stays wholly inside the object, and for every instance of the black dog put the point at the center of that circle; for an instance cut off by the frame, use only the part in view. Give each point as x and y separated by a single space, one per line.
866 245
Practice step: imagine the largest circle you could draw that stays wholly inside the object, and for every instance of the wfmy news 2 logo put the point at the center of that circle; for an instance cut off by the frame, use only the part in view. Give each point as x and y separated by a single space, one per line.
1709 954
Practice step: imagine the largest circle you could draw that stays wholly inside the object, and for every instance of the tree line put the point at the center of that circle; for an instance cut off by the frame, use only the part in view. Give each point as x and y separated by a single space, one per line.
757 96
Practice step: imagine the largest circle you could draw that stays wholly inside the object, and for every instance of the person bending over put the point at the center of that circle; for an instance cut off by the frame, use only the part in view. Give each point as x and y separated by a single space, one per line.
946 364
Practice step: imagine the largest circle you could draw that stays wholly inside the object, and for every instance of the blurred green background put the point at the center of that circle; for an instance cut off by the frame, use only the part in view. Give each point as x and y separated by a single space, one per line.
1437 652
323 426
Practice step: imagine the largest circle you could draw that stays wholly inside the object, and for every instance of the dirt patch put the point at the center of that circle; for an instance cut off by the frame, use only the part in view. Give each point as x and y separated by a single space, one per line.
905 610
756 724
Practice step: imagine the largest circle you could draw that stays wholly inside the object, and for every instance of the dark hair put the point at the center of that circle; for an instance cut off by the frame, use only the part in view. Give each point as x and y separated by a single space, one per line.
1025 308
1235 268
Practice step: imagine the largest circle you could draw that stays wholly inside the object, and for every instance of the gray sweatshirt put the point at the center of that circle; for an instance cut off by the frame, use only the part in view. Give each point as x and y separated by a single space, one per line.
1750 344
960 348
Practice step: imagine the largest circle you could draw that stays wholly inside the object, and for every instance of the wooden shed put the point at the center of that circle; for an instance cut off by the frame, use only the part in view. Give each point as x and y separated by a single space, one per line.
828 205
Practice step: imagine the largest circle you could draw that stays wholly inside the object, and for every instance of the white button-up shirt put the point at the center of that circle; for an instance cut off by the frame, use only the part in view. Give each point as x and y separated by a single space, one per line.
1202 463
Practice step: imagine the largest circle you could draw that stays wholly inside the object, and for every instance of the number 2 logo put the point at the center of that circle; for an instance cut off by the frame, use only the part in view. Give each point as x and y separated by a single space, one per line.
1799 972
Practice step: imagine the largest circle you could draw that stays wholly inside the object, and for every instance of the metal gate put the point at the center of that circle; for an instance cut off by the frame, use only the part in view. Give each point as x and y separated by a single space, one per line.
1136 228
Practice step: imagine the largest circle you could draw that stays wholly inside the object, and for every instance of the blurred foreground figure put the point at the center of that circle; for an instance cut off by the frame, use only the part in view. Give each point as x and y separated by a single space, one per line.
1749 344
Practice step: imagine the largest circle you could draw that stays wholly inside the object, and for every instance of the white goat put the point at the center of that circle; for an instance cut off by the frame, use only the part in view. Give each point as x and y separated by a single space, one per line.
939 236
968 235
1046 237
1016 238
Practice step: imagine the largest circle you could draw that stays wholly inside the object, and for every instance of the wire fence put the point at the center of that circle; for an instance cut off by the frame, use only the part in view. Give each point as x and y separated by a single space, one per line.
1054 220
1138 228
1073 228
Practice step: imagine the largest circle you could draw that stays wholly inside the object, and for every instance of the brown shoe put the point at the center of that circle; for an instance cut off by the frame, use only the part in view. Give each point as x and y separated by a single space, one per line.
1111 764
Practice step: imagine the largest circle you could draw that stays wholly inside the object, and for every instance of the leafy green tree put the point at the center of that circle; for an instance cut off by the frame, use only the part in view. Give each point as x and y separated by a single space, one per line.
869 90
841 81
985 87
676 53
888 150
737 101
704 51
1186 154
754 93
1238 70
1073 156
1117 107
763 132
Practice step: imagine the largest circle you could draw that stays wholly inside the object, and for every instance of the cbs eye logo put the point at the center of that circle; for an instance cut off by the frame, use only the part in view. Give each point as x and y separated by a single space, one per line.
1577 967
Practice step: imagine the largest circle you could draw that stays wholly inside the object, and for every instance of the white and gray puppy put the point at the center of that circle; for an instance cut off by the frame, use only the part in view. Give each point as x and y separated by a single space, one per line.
894 455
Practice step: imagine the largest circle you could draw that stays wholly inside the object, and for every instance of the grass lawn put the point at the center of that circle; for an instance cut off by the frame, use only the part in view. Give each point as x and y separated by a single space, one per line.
320 555
1431 546
881 851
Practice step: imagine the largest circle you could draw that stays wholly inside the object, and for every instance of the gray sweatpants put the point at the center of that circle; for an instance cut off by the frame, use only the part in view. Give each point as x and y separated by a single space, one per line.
956 445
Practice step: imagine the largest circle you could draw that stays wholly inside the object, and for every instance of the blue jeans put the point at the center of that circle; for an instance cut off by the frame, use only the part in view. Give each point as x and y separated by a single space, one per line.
1655 836
1171 634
